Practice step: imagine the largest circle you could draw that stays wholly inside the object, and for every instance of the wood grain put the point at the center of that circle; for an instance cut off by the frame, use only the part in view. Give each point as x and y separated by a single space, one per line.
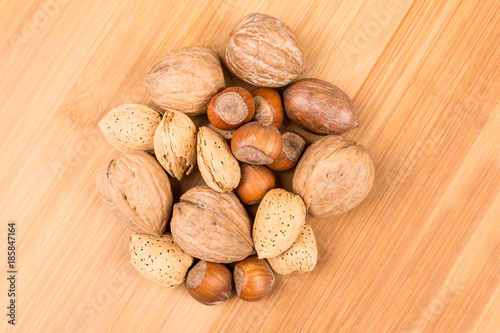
420 254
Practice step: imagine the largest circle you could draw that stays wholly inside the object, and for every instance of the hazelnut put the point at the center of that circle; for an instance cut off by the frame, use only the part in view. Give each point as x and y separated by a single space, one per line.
268 107
255 182
231 108
253 279
255 143
293 146
209 283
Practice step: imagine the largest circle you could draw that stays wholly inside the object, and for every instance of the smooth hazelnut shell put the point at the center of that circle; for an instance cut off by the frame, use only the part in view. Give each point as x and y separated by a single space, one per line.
231 106
319 107
255 143
293 147
253 279
272 113
209 283
255 182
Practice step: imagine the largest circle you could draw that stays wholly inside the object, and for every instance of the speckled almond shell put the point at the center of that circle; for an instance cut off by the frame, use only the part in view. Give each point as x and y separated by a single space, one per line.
319 107
130 127
218 167
278 222
137 190
264 52
333 176
212 226
301 257
159 259
186 80
175 144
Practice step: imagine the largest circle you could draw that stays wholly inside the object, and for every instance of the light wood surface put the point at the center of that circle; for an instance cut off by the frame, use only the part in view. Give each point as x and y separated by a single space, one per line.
420 254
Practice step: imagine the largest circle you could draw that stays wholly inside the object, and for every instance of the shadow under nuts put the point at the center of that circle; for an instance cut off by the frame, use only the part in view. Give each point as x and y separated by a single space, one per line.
253 279
209 283
255 143
264 52
319 107
137 190
212 226
185 80
333 176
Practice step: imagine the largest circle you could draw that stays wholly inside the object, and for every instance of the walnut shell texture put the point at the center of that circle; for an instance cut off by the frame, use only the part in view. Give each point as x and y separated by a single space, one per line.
278 222
212 226
130 127
301 257
159 259
175 144
218 167
319 107
186 80
137 190
263 51
333 176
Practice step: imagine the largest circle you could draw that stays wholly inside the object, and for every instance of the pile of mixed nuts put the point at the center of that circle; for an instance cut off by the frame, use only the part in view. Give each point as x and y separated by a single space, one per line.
210 222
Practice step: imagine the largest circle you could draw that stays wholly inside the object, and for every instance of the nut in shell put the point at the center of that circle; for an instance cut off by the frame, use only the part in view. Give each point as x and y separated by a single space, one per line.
218 167
137 190
268 107
293 146
278 222
175 144
212 226
231 108
333 176
209 283
301 257
263 51
185 80
130 127
159 259
253 279
319 107
255 143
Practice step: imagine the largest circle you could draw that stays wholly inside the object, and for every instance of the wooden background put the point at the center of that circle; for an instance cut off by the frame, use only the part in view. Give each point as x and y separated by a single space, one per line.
420 254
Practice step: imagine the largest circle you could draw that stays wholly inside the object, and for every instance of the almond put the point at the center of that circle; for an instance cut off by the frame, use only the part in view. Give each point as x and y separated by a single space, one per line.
278 222
301 257
130 127
217 165
159 259
175 144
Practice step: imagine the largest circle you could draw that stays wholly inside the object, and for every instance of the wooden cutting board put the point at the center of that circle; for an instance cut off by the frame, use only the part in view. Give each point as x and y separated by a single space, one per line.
420 254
